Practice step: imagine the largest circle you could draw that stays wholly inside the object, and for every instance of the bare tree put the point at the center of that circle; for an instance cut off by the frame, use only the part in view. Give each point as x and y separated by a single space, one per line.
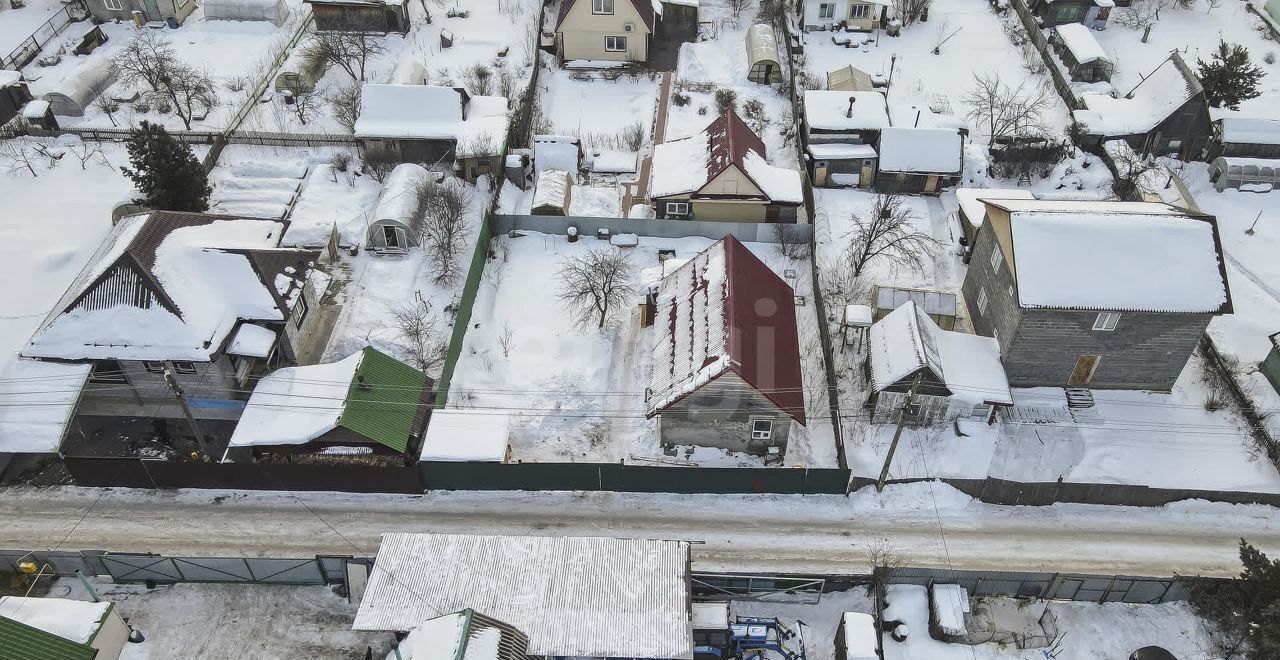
15 156
791 243
1142 15
595 284
85 151
883 556
347 50
306 105
910 12
478 79
108 106
444 208
507 339
889 235
737 7
1135 174
345 104
1008 111
420 336
150 59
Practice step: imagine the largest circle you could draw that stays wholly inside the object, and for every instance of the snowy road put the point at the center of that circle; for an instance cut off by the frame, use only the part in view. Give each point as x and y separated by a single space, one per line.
776 534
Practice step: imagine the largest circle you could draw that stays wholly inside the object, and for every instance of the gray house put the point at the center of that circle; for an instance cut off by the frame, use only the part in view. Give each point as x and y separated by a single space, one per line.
726 361
1095 294
151 10
210 299
1167 114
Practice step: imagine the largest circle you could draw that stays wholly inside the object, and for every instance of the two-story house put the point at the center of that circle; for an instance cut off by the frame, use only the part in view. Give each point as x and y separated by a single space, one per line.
1095 294
722 174
209 300
609 30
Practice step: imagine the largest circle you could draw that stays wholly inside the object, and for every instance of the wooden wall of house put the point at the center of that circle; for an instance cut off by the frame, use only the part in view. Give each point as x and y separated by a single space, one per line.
1184 134
357 18
12 98
146 394
298 332
719 414
426 152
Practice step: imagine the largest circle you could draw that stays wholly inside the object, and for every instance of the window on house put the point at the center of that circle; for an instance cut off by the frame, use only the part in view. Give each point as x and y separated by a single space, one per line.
1106 321
153 367
1068 13
184 367
113 5
677 208
859 11
997 257
602 6
761 429
826 10
300 311
982 300
615 44
108 372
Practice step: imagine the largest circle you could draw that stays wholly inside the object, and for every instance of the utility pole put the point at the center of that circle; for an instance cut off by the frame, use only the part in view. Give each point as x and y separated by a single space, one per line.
172 381
902 422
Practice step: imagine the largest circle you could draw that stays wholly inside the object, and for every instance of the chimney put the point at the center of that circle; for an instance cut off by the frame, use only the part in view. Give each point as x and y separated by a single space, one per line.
848 114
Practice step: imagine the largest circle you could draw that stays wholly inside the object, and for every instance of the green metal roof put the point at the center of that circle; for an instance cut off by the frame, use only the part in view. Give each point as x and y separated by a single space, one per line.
384 406
18 641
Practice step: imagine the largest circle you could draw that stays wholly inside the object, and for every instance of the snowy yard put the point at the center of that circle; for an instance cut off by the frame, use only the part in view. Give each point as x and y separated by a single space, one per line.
975 44
18 24
219 621
578 393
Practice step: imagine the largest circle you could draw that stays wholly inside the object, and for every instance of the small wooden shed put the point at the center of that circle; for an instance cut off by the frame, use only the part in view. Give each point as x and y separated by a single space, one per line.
763 58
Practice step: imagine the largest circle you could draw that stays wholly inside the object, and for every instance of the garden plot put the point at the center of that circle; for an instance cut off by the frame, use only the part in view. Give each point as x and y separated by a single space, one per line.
1254 275
593 107
1128 437
235 54
18 24
975 44
498 37
577 394
720 63
1195 34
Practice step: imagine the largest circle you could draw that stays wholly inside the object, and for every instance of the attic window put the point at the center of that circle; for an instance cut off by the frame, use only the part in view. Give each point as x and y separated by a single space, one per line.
1106 321
184 367
602 6
997 258
761 429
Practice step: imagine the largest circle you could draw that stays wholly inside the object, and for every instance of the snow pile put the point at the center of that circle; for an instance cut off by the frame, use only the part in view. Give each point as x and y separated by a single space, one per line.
921 150
296 405
587 201
75 620
1075 259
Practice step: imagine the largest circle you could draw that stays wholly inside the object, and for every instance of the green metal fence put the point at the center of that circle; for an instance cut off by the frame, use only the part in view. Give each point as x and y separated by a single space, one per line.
463 317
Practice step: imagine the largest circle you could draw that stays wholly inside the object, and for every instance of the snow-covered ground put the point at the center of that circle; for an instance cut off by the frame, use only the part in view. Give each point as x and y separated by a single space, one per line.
227 50
219 621
18 24
1195 34
975 45
578 393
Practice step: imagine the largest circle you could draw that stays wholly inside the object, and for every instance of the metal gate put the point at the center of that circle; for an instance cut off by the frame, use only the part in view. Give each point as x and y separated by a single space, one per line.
807 590
140 568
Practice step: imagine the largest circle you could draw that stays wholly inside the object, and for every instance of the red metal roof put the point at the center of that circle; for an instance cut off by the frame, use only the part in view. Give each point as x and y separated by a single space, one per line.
729 139
762 339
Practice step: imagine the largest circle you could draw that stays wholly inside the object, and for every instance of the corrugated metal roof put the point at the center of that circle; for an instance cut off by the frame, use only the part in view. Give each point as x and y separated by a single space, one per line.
382 403
573 596
18 641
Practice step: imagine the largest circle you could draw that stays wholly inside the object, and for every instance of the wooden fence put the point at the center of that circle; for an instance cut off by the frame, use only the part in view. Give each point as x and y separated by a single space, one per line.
1041 44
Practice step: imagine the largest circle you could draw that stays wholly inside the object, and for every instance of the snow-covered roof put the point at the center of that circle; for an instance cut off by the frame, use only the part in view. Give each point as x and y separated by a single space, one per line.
434 639
430 112
921 150
841 151
252 340
9 77
551 190
75 620
1086 206
398 200
860 640
572 596
34 420
295 405
172 286
726 311
975 210
710 616
686 165
614 162
1241 130
762 45
1080 41
829 110
35 109
906 340
1165 90
556 152
1122 260
456 434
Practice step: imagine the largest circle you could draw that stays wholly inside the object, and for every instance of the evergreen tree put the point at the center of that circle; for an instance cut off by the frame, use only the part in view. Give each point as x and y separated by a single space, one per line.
1245 610
1229 78
165 171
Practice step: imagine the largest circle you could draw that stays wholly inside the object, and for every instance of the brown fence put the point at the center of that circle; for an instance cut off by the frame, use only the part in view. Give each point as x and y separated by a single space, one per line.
152 473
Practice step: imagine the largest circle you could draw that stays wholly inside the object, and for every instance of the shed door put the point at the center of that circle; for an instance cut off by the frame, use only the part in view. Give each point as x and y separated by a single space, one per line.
1083 372
931 184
